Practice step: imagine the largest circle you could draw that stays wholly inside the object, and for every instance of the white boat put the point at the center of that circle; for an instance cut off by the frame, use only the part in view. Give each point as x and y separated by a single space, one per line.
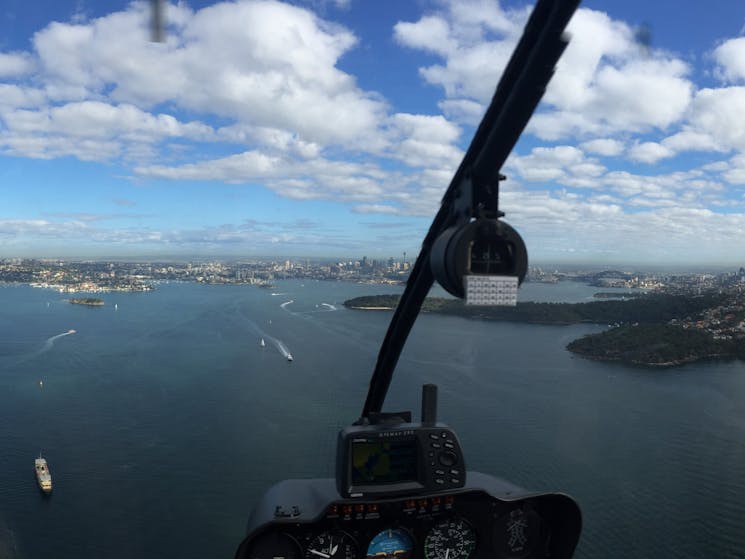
262 343
43 476
289 356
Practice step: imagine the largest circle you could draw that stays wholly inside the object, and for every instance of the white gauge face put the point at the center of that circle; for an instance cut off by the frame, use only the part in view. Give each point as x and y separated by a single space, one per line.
450 539
331 545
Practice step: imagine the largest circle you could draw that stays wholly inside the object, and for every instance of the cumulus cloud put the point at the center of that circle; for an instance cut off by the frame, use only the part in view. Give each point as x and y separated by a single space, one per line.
277 82
312 179
649 152
718 114
730 56
277 111
604 83
555 224
475 38
604 146
15 64
277 94
277 66
424 141
561 164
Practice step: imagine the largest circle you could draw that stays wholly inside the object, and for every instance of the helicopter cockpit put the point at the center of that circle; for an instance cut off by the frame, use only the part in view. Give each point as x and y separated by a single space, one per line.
402 489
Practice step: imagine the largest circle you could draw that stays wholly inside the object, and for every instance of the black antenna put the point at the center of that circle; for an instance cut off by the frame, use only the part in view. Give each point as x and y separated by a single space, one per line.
429 404
521 87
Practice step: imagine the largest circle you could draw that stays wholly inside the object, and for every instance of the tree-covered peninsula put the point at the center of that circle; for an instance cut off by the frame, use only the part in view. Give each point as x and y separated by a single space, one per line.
656 344
652 329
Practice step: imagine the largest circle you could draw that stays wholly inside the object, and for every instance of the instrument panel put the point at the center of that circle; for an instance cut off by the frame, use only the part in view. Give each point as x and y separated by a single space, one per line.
460 524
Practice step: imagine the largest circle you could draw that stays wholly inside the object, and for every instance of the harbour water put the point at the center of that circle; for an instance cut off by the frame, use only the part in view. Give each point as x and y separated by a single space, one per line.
163 419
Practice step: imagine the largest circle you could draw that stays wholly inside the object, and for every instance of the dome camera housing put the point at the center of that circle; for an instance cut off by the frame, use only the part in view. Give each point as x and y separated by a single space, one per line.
483 247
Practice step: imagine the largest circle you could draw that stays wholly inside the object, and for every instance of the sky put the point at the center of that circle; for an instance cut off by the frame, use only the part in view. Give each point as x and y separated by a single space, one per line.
332 128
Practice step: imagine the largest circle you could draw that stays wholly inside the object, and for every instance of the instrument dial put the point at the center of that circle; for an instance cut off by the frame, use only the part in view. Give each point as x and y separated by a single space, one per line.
450 539
391 543
332 545
273 545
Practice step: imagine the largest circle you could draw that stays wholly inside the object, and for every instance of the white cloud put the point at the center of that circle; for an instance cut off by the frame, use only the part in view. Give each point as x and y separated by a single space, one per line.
68 129
462 110
430 33
604 146
553 223
100 120
312 179
688 140
649 152
475 38
424 141
595 40
604 82
718 114
279 71
562 164
376 209
735 172
14 96
15 64
279 113
730 55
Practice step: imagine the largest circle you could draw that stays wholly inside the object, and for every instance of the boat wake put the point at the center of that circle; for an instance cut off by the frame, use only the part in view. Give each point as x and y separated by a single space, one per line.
280 345
329 306
277 343
284 305
50 342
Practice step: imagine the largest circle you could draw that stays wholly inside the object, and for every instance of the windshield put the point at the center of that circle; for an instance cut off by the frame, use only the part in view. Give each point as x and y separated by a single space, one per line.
204 225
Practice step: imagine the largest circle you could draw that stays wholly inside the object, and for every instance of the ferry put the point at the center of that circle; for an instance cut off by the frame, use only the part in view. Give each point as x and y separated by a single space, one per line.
43 477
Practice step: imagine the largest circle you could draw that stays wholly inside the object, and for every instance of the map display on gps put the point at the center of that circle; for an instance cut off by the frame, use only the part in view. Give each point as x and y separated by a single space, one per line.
384 462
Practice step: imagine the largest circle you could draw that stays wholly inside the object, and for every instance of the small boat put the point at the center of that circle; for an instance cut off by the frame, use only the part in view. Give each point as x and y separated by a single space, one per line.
41 384
116 306
289 356
43 477
262 343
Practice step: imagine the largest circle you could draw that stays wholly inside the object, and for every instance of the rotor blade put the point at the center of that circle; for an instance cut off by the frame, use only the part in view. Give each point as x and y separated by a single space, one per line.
157 21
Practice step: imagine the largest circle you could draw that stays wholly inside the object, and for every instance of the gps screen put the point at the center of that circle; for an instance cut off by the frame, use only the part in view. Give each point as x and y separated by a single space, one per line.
384 462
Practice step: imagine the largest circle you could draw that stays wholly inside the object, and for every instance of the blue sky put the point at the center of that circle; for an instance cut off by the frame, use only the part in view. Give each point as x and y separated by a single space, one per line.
331 128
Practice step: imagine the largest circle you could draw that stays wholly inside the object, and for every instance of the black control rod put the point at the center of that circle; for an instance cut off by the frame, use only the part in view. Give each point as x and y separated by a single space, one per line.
521 87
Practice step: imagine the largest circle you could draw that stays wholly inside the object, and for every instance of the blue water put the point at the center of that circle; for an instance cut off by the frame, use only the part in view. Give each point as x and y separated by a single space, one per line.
164 420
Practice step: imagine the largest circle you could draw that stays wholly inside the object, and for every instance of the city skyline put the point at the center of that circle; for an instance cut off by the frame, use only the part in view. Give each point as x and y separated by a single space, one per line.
331 129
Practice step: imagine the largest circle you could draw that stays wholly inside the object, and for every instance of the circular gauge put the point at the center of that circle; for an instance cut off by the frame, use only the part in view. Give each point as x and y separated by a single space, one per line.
450 539
270 545
331 545
391 543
